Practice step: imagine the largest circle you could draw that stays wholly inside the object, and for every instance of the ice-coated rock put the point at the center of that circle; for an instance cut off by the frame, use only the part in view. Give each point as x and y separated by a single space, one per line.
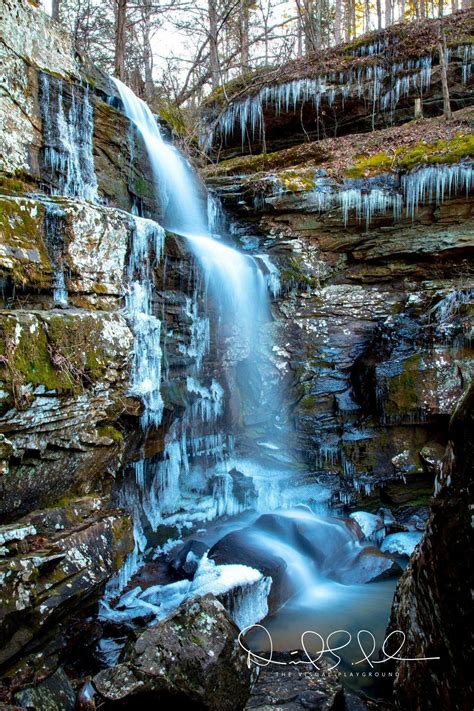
371 525
401 544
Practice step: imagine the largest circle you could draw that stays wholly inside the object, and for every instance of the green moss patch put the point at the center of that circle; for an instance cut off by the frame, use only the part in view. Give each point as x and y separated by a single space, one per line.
60 352
300 155
25 256
407 158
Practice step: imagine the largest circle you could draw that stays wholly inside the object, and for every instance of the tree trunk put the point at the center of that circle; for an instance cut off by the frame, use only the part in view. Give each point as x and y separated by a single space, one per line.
147 55
388 13
299 38
317 22
444 75
306 13
55 9
366 15
379 14
244 35
337 22
213 44
120 20
348 20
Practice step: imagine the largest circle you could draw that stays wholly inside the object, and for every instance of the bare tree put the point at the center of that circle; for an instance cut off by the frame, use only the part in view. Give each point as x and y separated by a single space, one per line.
379 14
306 12
213 44
444 74
55 9
337 21
120 22
244 34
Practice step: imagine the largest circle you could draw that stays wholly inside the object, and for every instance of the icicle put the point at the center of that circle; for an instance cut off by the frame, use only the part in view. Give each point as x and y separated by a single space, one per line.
146 249
435 183
54 227
68 138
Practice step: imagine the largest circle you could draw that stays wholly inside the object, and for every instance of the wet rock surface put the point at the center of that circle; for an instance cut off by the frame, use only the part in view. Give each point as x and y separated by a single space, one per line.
431 605
193 655
291 688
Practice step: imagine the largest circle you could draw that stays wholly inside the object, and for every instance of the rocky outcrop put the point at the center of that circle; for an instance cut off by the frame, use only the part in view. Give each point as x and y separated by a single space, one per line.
51 562
192 657
61 372
48 89
353 87
432 601
371 331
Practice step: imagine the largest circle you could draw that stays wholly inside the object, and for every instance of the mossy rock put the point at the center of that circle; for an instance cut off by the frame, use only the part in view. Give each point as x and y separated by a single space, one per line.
62 352
23 252
407 158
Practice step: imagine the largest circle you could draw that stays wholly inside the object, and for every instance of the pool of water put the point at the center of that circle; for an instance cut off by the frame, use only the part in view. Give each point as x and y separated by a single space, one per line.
334 615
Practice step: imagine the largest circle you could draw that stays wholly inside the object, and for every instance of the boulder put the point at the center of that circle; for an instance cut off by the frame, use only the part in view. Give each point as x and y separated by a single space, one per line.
371 525
295 688
369 566
192 656
53 694
401 544
238 547
431 457
43 584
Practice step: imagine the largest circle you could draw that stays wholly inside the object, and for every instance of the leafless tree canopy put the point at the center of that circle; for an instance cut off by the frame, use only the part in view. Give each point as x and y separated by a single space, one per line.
182 50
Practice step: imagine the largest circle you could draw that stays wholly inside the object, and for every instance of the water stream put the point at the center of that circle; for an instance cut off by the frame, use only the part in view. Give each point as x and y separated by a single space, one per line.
170 489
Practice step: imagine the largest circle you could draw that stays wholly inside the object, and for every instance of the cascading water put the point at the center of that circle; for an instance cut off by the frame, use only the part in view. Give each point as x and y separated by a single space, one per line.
238 288
170 490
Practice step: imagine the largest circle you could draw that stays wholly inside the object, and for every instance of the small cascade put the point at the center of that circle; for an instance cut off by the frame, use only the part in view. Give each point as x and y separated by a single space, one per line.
68 128
54 227
215 216
271 273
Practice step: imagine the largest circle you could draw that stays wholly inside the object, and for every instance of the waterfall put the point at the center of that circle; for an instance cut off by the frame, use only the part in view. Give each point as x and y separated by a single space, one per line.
234 279
157 487
181 205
